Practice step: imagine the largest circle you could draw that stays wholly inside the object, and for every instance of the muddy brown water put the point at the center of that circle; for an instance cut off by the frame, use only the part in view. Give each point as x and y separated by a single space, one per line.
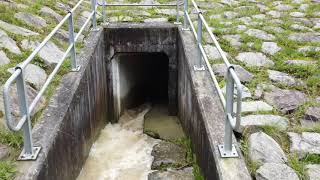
123 151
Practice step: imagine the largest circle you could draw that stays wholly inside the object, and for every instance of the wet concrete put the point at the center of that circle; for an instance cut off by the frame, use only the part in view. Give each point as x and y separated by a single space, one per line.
158 123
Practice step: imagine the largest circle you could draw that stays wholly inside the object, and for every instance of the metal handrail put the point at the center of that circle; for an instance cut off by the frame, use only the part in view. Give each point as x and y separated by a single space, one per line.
29 151
231 123
104 5
141 5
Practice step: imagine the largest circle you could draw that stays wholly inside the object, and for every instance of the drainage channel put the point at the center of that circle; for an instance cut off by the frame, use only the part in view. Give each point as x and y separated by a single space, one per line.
123 151
144 142
97 124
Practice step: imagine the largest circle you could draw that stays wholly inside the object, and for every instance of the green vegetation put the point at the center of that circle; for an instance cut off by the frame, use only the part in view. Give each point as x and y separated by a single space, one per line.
298 166
251 165
280 136
310 74
7 170
191 157
14 140
274 132
312 159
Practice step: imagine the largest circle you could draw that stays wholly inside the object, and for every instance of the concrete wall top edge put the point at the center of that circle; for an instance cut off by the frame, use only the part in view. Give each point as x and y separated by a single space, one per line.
211 111
140 25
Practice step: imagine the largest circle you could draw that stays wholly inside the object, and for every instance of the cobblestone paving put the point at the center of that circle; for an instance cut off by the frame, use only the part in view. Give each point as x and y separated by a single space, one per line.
275 46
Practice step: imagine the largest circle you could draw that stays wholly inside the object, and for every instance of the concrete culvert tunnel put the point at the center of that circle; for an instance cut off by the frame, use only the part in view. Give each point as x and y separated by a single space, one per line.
143 78
139 78
124 113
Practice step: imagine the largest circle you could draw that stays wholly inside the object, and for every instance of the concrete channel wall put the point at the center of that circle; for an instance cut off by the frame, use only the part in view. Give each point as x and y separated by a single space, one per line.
143 38
202 115
84 103
73 119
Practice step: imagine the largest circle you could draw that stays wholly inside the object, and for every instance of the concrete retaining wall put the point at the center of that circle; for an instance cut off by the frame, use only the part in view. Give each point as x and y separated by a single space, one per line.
73 119
202 115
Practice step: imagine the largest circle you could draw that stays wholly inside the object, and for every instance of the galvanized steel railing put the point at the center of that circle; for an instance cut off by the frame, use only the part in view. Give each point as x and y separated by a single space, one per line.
233 120
104 5
30 152
231 123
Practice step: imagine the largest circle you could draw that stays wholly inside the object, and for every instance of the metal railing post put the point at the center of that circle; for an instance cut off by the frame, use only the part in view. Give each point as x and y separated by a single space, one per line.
185 20
177 15
228 149
104 15
29 152
94 18
74 66
23 106
229 111
199 66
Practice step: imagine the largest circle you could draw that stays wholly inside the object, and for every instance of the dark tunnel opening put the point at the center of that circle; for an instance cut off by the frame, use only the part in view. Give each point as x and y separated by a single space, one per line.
142 77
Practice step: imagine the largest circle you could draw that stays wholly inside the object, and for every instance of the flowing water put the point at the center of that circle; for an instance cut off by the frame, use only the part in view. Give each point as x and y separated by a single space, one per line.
122 151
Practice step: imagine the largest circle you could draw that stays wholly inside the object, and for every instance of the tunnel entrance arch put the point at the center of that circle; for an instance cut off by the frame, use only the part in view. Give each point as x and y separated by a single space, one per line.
138 78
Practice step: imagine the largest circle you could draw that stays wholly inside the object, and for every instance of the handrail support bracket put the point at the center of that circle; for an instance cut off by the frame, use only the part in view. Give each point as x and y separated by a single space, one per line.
77 69
26 156
199 68
228 154
185 29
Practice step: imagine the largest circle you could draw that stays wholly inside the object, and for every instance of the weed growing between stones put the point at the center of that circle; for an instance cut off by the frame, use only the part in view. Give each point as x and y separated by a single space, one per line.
13 139
191 157
221 25
298 166
7 170
312 159
278 135
252 165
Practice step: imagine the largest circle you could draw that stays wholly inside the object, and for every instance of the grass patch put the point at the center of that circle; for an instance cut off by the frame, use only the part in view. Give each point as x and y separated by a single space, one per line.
251 165
197 172
190 157
260 76
300 129
280 136
312 159
13 139
296 165
7 170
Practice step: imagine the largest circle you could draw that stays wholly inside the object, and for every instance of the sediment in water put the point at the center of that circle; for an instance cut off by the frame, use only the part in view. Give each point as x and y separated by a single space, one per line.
122 151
